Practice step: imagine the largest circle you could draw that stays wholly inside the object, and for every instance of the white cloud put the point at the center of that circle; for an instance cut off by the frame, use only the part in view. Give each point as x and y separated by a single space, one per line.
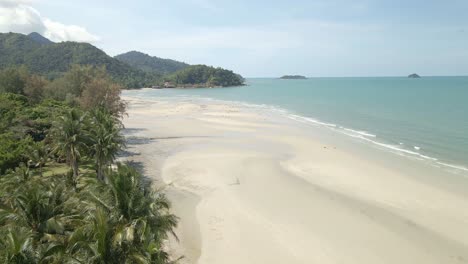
59 31
18 16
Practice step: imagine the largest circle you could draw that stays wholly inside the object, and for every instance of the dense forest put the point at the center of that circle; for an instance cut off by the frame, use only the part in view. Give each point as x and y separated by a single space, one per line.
51 60
63 196
131 70
150 64
205 76
39 38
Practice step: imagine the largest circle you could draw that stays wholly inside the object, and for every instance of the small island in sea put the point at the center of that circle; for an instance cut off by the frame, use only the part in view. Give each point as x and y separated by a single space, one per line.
414 75
293 77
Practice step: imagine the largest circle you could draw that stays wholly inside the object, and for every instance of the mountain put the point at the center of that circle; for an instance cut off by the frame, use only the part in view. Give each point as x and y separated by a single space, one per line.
53 59
148 63
132 70
39 38
180 74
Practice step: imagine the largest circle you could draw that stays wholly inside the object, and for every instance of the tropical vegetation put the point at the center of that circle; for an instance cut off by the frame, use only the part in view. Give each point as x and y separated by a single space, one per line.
205 76
63 196
151 64
51 61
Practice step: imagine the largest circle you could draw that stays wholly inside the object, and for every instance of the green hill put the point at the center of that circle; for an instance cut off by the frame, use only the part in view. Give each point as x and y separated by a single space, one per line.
203 76
151 64
39 38
132 69
53 59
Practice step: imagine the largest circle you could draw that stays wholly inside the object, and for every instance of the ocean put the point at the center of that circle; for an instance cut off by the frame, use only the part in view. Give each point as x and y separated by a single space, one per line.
424 118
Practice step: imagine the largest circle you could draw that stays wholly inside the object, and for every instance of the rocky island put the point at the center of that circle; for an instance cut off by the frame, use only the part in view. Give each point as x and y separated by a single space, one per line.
293 77
414 75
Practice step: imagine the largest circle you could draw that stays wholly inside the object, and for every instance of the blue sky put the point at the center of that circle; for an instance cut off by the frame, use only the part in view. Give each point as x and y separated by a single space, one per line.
270 38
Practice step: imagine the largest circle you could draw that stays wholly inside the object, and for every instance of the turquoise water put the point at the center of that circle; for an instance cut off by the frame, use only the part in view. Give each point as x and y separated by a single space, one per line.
426 118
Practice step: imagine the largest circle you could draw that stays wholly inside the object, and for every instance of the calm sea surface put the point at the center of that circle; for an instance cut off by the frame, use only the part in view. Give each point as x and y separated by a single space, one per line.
426 118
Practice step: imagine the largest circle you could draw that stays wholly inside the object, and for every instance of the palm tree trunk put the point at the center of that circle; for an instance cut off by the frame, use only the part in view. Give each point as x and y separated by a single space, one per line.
75 169
100 174
74 165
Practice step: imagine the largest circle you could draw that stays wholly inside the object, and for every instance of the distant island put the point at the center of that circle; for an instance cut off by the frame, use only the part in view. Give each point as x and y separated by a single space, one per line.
414 75
293 77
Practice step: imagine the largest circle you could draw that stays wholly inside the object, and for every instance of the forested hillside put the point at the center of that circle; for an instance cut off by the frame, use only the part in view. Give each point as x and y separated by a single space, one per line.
206 76
151 64
132 69
53 59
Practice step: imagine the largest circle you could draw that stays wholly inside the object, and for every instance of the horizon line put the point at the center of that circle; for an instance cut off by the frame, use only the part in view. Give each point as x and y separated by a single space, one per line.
369 76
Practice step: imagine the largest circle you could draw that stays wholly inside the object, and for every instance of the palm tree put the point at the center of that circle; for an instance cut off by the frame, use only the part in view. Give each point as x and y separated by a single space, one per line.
40 208
106 140
140 217
46 213
95 238
38 155
134 199
11 184
122 221
70 138
16 246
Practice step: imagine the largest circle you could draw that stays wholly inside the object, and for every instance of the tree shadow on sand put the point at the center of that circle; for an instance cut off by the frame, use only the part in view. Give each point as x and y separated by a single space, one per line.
137 140
132 131
134 140
140 168
127 153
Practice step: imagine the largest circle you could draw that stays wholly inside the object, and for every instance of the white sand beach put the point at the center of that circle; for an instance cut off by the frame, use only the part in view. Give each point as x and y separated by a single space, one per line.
254 188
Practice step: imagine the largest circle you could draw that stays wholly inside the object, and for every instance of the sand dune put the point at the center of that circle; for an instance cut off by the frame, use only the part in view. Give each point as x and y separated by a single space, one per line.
251 188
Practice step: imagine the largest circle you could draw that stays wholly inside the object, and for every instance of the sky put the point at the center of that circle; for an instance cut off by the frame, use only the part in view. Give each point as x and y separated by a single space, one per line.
260 38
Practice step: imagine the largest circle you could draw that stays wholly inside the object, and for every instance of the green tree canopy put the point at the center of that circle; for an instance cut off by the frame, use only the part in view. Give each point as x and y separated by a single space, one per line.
205 76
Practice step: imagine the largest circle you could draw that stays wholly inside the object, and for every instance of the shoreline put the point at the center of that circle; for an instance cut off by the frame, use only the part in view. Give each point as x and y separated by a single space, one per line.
186 86
362 137
263 185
